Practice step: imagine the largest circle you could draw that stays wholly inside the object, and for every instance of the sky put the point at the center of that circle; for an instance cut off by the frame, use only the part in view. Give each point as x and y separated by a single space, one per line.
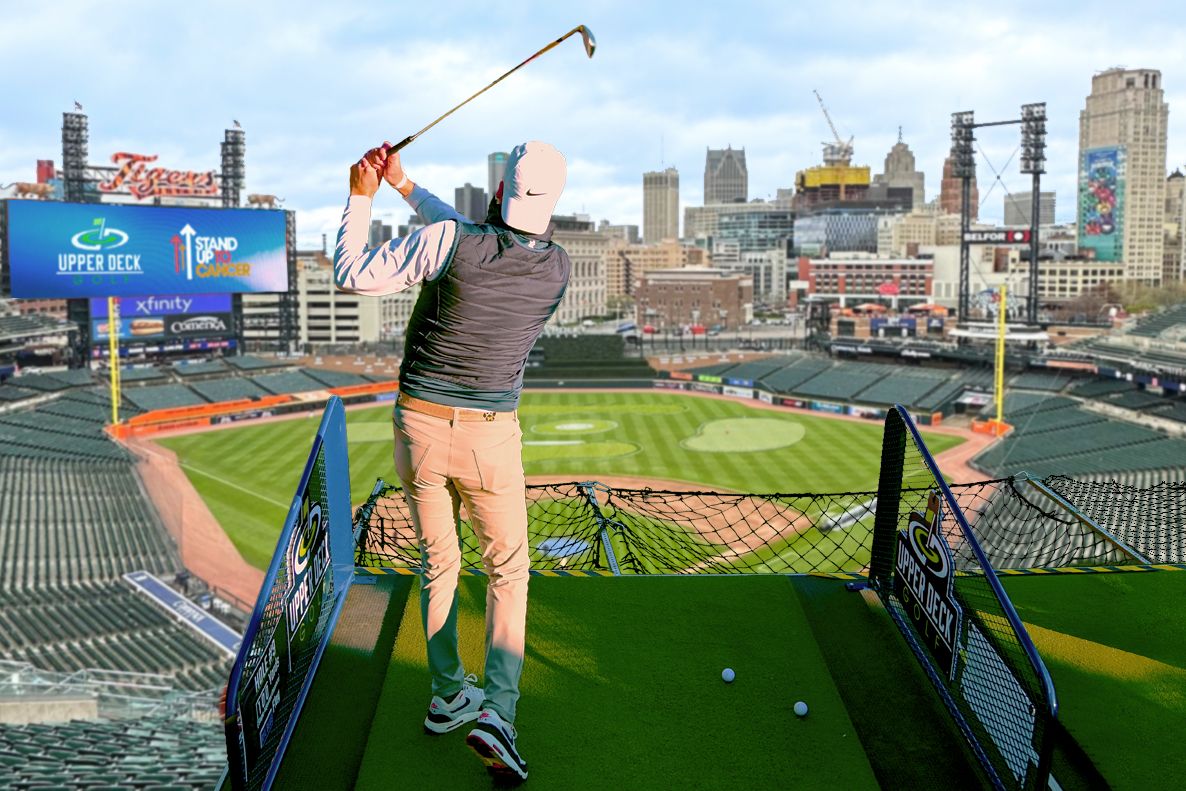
314 84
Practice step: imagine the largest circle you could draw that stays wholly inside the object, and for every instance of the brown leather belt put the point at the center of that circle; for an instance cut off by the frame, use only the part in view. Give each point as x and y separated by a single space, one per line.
449 412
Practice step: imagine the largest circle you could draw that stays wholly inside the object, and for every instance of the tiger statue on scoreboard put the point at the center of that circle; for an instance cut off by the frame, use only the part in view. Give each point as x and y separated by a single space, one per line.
30 189
264 201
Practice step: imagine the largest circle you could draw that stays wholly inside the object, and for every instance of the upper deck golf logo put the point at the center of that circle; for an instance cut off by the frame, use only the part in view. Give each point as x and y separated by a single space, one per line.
97 258
925 583
99 237
206 256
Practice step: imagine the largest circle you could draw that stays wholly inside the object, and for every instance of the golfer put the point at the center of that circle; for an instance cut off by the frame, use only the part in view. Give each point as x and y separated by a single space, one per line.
487 289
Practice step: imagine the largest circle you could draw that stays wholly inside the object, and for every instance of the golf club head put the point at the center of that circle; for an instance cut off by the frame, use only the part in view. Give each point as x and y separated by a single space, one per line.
590 42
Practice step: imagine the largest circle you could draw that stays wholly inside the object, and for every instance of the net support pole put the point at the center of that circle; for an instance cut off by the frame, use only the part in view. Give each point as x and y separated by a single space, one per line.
113 332
589 489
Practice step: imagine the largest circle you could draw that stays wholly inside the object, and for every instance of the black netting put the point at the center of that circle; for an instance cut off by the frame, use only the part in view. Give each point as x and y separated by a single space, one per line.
1150 520
563 529
665 532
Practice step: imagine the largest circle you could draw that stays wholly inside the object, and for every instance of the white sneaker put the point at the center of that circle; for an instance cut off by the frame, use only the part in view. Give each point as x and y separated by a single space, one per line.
445 716
493 741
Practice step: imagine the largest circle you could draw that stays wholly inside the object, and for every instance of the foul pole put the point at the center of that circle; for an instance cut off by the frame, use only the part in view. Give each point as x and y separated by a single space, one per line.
113 332
999 378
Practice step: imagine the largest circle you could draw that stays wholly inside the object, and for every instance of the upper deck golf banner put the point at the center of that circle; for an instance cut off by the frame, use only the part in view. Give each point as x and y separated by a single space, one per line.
100 249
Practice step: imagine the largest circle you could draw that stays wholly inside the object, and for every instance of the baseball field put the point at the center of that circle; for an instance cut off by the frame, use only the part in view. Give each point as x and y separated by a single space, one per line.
247 475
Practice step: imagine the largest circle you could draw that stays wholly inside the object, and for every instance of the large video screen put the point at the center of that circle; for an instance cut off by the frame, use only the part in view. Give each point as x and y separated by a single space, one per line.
1101 202
164 317
101 250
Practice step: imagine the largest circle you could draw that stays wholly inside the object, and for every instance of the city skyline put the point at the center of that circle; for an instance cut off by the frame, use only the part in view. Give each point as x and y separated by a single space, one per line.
303 86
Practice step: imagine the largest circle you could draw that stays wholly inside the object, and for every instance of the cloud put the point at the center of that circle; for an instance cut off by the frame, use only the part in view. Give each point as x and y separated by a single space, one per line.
315 84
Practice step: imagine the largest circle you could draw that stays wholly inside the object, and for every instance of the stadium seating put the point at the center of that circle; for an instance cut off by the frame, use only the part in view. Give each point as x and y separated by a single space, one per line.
162 397
200 369
786 380
842 382
20 438
157 751
1157 323
1039 380
10 393
1135 399
78 377
756 369
583 348
904 386
1053 435
43 382
717 369
14 326
1176 411
335 378
141 373
69 521
287 382
230 389
247 362
1093 388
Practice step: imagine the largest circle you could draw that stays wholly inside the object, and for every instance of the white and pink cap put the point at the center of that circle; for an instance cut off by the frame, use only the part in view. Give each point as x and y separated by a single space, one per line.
532 184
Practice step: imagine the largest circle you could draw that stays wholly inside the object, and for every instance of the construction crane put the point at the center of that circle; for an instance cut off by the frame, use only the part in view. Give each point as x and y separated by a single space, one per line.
839 152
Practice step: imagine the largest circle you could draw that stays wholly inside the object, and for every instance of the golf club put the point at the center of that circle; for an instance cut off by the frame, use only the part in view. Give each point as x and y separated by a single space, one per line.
590 45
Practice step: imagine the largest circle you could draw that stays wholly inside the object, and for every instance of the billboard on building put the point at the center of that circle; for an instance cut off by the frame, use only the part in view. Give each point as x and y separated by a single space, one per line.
169 317
1101 202
99 250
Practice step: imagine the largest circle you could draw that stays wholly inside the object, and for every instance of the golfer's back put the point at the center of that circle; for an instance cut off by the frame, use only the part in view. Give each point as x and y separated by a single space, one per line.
474 325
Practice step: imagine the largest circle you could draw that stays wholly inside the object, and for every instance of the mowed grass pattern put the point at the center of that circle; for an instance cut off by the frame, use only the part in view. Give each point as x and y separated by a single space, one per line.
247 475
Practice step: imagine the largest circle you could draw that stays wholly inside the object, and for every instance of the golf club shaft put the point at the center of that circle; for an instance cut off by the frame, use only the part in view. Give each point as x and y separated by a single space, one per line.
401 144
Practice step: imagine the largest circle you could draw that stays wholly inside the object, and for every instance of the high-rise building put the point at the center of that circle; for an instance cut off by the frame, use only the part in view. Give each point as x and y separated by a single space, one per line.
627 233
626 264
726 179
1122 147
585 295
660 205
900 174
1175 219
950 195
675 298
496 166
704 222
380 232
1018 207
470 201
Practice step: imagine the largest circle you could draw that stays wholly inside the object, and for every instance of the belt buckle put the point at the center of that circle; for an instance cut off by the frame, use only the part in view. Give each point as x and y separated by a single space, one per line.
489 416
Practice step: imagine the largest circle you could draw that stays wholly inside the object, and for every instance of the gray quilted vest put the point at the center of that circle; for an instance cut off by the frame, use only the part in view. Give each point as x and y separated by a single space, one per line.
473 326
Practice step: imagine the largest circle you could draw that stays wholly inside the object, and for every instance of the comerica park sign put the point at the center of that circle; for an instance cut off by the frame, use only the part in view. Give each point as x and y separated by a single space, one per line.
998 236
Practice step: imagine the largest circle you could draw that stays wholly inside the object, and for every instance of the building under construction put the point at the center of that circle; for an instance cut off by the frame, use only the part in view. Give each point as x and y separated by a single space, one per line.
837 179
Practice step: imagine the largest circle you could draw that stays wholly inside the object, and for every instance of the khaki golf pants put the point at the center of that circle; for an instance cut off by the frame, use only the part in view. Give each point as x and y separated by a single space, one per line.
443 463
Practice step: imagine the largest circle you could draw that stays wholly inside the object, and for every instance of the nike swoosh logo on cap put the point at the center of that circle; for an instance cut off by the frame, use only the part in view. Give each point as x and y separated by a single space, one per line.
531 194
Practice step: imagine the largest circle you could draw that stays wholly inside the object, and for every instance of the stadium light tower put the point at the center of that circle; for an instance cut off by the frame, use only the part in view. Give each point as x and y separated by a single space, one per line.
963 159
1033 161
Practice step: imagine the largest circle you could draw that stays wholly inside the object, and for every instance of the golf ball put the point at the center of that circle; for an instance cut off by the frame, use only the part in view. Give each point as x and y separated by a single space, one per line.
801 709
728 675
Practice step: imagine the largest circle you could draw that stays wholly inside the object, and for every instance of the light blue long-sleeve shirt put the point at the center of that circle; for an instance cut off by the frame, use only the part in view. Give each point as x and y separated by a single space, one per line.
399 264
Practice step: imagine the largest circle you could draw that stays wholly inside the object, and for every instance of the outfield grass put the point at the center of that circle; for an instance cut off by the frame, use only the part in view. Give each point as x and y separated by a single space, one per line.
247 475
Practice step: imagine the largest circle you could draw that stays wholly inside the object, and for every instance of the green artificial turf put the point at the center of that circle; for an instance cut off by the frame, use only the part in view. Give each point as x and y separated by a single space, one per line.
910 737
622 689
247 475
1115 645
